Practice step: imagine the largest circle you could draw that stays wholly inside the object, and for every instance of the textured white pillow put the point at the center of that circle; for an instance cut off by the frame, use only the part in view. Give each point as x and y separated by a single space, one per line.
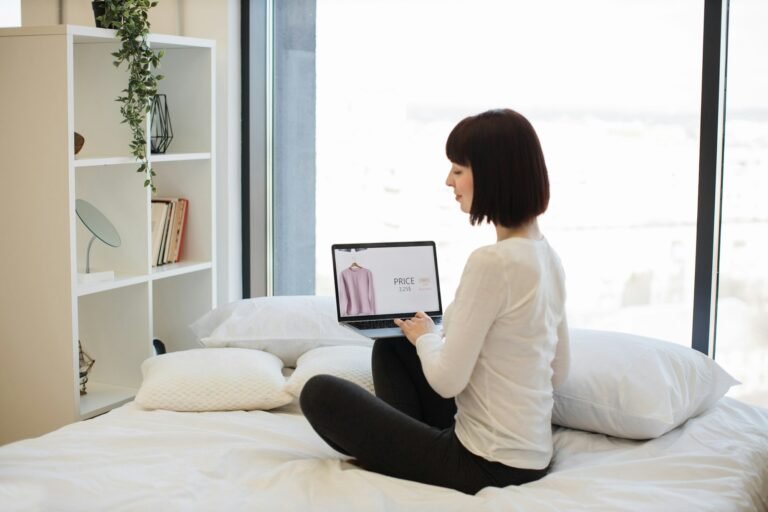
347 362
286 326
213 379
635 387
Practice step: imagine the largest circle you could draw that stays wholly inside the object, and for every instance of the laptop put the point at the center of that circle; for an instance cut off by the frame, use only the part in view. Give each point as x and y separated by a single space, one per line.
378 282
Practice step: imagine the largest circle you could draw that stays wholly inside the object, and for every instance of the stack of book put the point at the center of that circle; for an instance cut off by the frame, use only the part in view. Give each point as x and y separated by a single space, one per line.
169 216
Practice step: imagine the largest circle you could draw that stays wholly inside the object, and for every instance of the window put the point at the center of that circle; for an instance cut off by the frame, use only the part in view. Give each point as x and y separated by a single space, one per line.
366 92
742 308
10 13
613 89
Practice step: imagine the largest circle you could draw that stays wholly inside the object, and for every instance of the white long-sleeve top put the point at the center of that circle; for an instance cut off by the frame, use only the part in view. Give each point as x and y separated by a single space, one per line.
503 350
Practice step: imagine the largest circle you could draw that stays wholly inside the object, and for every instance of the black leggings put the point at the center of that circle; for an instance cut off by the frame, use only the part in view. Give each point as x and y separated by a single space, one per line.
406 430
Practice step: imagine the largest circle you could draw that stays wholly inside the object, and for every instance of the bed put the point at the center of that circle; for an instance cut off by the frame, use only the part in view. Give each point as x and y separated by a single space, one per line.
268 458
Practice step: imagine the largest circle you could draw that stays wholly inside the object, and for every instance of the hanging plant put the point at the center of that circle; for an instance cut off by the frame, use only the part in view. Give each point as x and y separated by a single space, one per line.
130 19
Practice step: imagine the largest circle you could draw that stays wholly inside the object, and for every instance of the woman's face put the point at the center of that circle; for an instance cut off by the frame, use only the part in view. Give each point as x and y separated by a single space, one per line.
460 179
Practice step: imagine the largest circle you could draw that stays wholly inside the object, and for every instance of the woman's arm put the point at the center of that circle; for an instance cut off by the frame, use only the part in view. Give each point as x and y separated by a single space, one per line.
448 363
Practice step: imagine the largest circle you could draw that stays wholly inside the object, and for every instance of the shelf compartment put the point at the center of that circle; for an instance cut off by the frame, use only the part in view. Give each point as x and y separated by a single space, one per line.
187 86
97 115
101 398
190 180
176 303
118 192
114 329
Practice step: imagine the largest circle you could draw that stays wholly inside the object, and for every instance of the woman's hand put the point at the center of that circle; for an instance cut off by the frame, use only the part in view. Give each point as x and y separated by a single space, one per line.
414 327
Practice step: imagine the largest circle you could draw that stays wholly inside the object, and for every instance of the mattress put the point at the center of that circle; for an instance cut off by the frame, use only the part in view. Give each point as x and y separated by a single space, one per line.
134 460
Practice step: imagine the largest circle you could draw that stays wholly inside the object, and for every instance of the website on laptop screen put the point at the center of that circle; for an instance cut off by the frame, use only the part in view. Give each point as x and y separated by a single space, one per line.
386 280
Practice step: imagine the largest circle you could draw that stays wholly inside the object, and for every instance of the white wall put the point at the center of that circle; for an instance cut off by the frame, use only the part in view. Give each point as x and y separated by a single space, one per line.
210 19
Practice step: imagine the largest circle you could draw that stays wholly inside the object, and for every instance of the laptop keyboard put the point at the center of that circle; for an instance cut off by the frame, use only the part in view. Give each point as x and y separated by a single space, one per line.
373 324
382 324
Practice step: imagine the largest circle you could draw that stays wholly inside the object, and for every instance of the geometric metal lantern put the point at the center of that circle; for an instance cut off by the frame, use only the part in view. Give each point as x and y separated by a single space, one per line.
160 125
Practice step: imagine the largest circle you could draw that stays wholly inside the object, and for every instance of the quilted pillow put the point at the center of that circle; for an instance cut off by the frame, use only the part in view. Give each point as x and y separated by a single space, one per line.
347 362
634 387
286 326
213 379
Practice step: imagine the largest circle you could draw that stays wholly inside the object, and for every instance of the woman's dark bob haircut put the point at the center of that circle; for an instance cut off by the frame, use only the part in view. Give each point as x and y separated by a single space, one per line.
510 181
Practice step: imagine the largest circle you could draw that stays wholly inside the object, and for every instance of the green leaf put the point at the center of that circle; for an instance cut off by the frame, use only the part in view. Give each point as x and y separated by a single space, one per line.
130 18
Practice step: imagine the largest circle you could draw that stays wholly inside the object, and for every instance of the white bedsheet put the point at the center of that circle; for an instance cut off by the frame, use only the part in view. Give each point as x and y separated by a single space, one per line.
132 459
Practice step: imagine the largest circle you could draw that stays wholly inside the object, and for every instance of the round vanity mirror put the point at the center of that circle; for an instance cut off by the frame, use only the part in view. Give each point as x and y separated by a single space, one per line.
98 225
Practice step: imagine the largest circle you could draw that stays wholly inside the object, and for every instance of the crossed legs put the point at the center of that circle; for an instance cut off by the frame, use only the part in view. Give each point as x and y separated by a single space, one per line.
406 430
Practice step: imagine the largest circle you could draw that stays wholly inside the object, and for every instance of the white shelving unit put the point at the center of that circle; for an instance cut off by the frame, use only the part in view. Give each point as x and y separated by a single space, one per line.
60 80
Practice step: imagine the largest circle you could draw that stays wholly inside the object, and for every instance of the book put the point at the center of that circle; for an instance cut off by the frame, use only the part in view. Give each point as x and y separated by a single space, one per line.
178 232
159 209
168 229
165 257
164 234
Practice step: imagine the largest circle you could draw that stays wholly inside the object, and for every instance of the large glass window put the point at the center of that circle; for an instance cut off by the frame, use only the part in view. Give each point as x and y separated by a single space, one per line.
612 87
742 319
10 13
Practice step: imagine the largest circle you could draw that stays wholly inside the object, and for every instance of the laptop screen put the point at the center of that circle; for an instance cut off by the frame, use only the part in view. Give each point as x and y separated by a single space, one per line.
386 280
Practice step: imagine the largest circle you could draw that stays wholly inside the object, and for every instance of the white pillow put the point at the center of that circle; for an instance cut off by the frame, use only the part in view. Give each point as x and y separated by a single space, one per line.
286 326
347 362
635 387
213 379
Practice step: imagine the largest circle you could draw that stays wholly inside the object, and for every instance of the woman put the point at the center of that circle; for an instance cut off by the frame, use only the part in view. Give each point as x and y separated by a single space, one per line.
470 407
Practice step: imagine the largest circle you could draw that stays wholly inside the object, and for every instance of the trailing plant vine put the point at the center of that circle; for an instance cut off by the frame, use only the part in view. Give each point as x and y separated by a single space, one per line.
130 19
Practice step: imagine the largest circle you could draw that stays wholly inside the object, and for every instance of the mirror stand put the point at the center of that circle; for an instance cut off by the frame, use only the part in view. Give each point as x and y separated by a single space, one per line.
101 228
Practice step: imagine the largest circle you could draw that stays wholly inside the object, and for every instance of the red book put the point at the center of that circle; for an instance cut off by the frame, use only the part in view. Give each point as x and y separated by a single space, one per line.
181 225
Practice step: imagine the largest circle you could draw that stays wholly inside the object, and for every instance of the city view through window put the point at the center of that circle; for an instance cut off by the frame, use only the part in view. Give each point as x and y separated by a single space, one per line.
617 113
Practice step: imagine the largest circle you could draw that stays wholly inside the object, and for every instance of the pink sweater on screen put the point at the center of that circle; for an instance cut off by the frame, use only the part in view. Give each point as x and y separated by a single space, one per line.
356 292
